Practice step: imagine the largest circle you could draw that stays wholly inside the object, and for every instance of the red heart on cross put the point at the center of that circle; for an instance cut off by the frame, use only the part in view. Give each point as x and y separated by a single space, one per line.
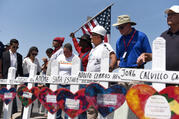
105 100
48 99
72 104
27 96
7 95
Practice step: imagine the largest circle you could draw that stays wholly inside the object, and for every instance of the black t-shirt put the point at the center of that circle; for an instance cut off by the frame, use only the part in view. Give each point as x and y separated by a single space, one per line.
172 50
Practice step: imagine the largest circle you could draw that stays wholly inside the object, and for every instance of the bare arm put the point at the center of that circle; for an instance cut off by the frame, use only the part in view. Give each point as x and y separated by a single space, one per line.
75 42
113 61
144 57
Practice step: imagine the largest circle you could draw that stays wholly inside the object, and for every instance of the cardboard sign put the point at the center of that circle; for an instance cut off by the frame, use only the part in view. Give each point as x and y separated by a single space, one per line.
27 95
106 99
51 98
157 107
72 104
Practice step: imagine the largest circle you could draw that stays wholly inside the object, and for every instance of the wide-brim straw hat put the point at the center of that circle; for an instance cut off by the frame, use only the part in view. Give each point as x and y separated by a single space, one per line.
123 19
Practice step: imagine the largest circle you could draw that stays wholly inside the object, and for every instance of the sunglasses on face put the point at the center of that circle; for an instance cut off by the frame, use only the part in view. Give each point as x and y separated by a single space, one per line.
15 47
121 27
34 54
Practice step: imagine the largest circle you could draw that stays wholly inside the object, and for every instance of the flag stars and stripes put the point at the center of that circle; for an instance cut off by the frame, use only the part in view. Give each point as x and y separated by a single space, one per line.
103 19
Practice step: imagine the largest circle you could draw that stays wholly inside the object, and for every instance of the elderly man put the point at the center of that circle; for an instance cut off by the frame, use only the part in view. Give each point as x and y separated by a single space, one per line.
94 60
132 46
172 38
95 57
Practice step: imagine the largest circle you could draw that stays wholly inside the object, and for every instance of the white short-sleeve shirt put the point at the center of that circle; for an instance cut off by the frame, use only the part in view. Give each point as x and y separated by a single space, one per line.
94 59
65 64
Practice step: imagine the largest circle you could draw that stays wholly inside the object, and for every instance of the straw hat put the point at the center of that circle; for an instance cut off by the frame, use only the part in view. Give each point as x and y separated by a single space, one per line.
123 19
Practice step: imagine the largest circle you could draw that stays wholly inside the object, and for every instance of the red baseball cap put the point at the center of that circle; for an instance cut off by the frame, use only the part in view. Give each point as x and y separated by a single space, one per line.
59 39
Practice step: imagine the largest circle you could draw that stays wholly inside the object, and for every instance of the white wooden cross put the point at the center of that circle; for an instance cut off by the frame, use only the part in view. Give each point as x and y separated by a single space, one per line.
32 73
159 59
7 109
53 87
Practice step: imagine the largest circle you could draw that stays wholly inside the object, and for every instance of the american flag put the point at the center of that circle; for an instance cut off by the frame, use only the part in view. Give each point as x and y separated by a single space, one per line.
103 19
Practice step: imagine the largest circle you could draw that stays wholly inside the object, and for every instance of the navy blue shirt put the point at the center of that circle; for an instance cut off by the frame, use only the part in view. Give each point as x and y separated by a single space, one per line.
139 44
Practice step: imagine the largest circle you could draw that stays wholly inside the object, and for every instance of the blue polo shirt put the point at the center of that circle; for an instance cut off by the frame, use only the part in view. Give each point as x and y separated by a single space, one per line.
139 44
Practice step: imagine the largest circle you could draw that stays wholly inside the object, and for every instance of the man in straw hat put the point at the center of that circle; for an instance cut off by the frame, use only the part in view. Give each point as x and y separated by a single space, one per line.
132 48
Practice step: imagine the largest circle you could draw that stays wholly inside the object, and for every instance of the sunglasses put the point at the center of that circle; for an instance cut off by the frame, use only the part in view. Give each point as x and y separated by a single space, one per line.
34 54
121 27
15 47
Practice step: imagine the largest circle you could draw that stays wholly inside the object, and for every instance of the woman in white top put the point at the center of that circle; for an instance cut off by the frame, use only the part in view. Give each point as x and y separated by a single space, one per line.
31 59
65 61
27 62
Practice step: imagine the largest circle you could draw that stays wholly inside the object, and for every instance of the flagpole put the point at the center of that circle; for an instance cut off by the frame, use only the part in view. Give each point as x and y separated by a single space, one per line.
94 17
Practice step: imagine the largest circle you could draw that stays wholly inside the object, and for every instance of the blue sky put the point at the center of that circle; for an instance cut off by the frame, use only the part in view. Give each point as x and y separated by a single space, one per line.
37 22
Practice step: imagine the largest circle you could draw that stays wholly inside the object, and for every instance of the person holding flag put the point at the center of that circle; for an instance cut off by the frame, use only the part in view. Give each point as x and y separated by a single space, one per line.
83 48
